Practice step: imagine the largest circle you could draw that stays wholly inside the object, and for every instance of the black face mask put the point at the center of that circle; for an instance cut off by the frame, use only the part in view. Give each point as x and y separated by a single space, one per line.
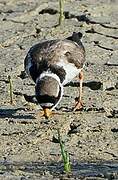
48 99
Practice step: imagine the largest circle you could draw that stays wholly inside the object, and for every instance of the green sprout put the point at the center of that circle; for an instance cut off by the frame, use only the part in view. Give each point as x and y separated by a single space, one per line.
65 155
10 89
61 11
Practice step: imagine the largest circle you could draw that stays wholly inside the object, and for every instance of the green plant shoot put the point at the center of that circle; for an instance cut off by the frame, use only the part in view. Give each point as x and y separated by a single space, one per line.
61 11
65 155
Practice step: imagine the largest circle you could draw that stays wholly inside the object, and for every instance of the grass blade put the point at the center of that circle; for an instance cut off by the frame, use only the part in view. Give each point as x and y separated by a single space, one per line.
65 155
61 10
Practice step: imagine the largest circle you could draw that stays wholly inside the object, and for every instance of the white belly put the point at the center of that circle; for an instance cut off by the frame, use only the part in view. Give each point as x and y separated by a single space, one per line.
71 71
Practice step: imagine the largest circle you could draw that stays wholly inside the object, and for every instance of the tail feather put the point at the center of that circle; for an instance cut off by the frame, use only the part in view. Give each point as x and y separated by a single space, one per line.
76 37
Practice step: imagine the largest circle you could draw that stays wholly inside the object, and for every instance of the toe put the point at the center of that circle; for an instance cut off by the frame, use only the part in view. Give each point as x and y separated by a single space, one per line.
78 106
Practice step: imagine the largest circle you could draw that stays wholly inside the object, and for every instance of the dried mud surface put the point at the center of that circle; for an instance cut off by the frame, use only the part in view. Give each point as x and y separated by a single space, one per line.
28 147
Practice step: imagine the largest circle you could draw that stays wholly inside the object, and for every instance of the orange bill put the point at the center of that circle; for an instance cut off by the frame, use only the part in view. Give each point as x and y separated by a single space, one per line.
47 112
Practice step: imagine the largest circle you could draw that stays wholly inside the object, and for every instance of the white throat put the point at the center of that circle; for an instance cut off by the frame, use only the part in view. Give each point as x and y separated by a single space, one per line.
50 74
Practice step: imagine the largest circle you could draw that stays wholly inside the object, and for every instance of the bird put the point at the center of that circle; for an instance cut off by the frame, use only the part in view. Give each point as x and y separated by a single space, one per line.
52 64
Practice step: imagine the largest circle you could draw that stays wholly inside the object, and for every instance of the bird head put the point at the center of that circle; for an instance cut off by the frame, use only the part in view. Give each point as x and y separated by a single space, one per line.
48 92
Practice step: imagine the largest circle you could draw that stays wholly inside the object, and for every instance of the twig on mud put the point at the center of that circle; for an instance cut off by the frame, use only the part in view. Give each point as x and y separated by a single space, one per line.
65 155
100 46
109 27
61 11
106 35
10 89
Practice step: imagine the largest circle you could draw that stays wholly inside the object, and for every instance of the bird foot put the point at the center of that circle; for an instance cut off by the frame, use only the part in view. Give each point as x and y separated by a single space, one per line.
78 105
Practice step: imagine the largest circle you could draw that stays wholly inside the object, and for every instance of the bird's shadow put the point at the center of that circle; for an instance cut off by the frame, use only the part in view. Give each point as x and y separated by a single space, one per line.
80 170
93 85
11 113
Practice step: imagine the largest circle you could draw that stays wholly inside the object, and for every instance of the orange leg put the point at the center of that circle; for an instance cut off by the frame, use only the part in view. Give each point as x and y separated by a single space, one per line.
79 104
